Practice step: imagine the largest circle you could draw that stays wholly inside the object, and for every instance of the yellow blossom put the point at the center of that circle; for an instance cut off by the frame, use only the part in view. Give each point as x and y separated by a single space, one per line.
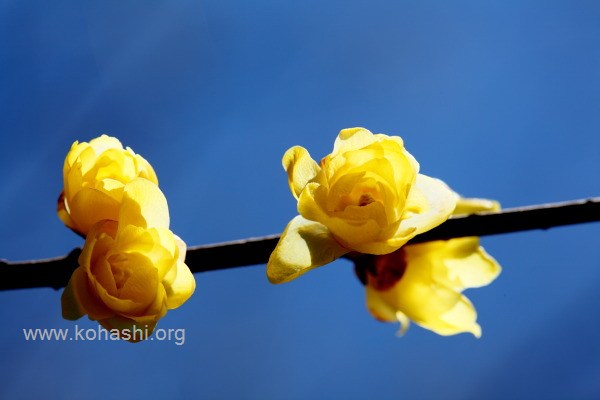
94 175
424 282
131 271
366 196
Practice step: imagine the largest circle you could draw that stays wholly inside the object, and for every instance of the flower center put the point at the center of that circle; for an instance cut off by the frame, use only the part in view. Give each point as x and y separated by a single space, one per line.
119 269
365 199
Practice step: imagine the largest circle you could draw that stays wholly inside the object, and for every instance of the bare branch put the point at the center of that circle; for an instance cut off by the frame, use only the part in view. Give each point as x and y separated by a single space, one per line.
56 272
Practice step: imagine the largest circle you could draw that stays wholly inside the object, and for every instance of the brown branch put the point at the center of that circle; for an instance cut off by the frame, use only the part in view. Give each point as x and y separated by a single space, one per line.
56 272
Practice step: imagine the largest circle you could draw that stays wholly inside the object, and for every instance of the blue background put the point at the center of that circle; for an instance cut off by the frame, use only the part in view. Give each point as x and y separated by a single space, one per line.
499 99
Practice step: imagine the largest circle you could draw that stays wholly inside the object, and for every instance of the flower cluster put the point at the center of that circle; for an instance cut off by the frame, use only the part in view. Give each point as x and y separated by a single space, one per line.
368 196
131 269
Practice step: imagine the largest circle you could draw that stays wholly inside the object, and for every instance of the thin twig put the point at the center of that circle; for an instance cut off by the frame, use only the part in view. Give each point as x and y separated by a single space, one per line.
56 272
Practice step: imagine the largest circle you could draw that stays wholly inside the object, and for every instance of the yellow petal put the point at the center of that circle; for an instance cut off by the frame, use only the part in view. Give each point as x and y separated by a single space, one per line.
303 245
169 277
157 244
352 234
378 307
113 164
143 205
474 205
73 154
352 139
155 310
300 168
63 212
182 248
461 318
105 142
90 206
469 266
182 288
143 167
430 203
79 299
71 307
136 280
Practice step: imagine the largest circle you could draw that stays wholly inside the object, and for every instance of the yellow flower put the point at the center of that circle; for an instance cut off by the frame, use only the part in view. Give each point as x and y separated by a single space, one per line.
424 282
366 196
94 175
131 271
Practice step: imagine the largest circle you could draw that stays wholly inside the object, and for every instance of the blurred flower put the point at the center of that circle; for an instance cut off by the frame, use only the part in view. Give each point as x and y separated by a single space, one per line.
424 282
94 175
366 196
131 271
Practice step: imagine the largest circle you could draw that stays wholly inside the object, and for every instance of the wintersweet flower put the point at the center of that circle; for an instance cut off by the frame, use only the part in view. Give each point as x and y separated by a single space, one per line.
366 196
94 176
131 271
424 282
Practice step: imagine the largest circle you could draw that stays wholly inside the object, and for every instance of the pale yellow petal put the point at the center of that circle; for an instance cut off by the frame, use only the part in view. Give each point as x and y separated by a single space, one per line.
429 204
303 245
300 168
105 142
378 307
73 154
182 248
144 205
352 139
474 205
90 206
309 204
469 266
461 318
182 288
144 168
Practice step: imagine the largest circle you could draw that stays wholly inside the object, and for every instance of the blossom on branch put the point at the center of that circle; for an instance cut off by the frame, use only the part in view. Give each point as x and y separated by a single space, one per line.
366 196
131 270
94 176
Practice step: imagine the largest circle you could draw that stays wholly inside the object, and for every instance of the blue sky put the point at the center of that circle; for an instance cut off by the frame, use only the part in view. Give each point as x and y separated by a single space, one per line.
499 99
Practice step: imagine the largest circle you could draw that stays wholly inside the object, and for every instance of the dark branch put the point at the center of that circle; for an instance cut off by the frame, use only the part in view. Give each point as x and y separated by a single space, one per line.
56 272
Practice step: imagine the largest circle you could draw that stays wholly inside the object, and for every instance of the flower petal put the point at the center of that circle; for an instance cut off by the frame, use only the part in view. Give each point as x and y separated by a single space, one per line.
90 206
378 307
352 139
137 284
303 245
78 299
105 142
300 168
182 288
469 266
143 205
63 212
460 318
473 205
430 203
